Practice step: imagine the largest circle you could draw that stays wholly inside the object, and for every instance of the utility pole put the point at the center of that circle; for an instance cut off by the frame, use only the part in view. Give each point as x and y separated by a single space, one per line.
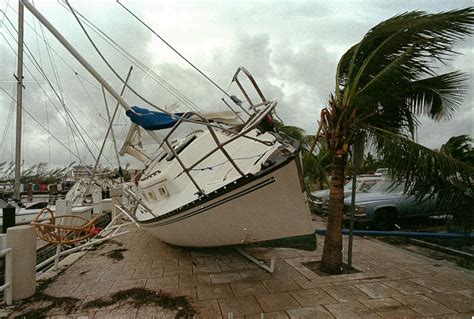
19 97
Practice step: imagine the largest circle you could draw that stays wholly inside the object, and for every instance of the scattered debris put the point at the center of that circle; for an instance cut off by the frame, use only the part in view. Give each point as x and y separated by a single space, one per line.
115 254
38 305
141 296
100 245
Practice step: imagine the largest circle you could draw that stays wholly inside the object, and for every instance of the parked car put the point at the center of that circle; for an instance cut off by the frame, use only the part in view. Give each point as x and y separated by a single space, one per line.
383 204
319 200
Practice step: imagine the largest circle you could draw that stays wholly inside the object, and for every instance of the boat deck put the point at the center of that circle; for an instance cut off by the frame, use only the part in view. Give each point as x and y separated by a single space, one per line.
393 283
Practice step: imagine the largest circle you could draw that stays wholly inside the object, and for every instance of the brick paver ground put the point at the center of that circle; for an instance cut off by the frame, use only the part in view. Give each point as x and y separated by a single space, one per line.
221 283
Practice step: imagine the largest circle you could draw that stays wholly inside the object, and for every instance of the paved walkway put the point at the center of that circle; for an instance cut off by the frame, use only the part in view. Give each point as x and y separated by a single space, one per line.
220 283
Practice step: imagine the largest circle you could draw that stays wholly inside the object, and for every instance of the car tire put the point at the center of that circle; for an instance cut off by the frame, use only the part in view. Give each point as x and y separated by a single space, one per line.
385 219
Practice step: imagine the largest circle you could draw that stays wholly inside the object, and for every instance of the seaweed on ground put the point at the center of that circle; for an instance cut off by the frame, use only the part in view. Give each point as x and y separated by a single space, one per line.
44 301
142 296
115 254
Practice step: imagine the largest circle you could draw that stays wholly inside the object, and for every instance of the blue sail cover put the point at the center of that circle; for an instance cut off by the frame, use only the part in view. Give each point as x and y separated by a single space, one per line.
151 120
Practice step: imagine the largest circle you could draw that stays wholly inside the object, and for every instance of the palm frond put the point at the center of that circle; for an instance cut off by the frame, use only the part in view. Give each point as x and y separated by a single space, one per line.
460 148
399 52
425 172
439 96
343 69
293 131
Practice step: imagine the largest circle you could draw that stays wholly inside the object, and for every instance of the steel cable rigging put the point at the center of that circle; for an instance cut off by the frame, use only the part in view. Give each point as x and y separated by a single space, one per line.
69 114
159 80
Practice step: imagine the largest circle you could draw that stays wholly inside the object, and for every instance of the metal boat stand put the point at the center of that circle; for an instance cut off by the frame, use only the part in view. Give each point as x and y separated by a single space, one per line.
270 267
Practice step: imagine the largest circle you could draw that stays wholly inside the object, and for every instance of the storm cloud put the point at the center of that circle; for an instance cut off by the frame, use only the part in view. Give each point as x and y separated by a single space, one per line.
291 47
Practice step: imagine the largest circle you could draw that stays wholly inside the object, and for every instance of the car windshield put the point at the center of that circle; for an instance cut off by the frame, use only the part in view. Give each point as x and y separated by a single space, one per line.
348 185
362 185
387 186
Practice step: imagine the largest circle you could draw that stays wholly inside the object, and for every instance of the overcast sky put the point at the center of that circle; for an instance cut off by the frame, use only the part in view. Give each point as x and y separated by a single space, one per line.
291 47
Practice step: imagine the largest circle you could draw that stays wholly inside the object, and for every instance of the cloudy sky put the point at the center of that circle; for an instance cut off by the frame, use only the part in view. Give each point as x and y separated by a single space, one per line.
291 47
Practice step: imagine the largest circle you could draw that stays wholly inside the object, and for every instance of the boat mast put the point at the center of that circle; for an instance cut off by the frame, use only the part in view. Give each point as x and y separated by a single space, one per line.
76 54
156 136
19 97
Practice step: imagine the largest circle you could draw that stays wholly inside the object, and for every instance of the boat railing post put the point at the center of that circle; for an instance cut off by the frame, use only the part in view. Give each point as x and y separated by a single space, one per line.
185 169
219 145
221 148
254 83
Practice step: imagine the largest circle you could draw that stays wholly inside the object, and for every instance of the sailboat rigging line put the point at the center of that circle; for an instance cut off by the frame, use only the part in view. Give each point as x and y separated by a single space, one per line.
71 117
172 48
57 54
111 120
109 65
91 100
43 127
60 89
75 53
53 64
109 129
5 131
45 101
148 71
58 82
4 13
235 112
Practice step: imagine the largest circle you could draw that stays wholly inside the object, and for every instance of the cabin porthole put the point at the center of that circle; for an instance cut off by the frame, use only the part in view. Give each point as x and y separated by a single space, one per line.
151 195
163 191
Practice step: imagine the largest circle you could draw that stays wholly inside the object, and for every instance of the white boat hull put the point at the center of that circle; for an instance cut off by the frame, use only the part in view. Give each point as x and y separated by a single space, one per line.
272 207
23 216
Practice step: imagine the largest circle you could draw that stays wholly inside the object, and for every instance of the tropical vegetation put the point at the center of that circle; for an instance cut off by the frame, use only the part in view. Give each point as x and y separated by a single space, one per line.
316 162
384 84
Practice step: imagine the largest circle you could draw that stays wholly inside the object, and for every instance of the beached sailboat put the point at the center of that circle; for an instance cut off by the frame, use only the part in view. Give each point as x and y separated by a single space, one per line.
222 184
231 180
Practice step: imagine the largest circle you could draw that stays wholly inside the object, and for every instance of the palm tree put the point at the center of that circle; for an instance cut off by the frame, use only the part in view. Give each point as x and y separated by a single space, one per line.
383 84
460 148
460 204
293 131
315 165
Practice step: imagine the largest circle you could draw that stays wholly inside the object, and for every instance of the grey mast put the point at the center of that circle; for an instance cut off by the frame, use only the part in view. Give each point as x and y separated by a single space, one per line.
19 97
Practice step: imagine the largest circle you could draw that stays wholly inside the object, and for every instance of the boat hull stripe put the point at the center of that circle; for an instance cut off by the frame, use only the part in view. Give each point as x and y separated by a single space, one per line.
204 209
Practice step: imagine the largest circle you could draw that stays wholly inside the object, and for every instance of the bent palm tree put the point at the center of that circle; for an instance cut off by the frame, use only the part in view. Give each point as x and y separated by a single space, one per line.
383 83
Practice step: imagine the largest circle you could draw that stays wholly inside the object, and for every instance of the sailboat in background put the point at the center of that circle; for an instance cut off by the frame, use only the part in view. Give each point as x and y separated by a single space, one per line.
78 198
232 179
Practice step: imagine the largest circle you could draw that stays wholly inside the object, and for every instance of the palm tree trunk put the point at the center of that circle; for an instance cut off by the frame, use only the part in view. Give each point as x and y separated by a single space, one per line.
332 254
